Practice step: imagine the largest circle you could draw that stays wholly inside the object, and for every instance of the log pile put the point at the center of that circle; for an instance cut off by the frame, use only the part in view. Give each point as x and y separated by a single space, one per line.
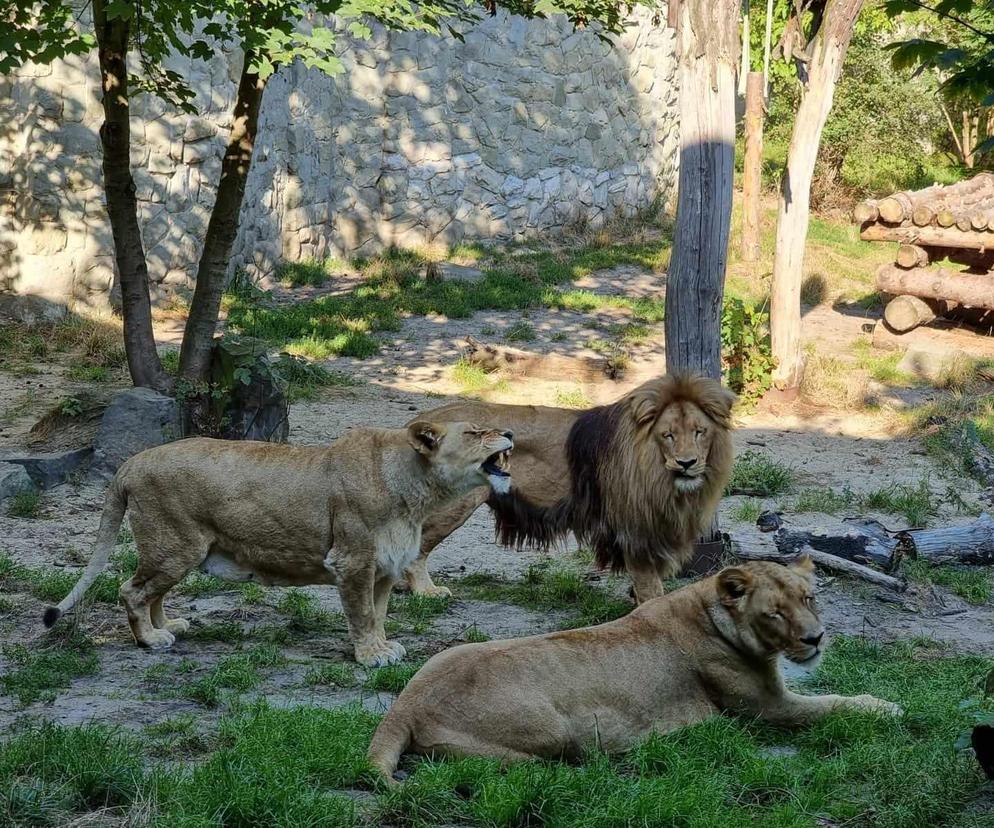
953 223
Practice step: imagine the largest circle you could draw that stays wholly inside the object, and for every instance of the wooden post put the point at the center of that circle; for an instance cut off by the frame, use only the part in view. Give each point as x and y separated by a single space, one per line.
752 178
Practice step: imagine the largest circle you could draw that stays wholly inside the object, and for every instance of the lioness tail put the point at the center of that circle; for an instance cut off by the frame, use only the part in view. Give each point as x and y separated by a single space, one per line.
390 741
110 523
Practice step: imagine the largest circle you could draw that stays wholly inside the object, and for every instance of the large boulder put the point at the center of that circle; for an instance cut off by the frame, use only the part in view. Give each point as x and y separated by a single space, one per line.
135 420
49 468
14 480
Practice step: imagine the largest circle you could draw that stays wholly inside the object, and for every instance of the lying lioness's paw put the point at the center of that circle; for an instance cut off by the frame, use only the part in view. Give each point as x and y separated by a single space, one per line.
882 706
379 654
158 640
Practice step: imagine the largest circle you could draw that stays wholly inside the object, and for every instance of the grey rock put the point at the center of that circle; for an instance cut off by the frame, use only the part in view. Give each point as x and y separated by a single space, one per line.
51 468
14 480
460 273
136 419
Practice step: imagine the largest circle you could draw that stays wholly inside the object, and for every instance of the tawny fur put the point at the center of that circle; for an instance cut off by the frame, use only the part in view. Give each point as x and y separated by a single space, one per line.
559 367
709 648
348 514
609 476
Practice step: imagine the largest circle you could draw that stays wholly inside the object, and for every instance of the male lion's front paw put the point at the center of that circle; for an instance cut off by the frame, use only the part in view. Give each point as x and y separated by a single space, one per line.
875 705
158 640
379 653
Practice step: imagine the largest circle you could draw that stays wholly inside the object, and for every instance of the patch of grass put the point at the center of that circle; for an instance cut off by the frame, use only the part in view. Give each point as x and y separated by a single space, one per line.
237 673
572 398
748 510
298 605
474 635
915 503
825 500
313 273
391 679
333 675
305 380
197 584
37 673
832 382
950 426
473 380
252 593
170 361
229 632
53 584
549 587
759 475
973 585
88 373
26 504
882 367
418 610
521 332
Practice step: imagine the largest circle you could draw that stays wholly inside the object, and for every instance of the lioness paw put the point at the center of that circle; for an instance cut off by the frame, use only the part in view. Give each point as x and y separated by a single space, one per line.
178 626
379 654
433 591
882 706
158 640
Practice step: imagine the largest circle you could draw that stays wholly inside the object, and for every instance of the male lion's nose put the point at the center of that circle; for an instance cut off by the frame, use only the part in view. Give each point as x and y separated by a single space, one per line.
686 464
813 640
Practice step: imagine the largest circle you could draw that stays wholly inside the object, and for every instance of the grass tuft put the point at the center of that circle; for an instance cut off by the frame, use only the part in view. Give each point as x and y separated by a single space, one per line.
759 475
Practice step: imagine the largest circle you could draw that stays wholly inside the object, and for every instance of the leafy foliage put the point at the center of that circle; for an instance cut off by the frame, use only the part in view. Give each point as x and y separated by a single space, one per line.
745 341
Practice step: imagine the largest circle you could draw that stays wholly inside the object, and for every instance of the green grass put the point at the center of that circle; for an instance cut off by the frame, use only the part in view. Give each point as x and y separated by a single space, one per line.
549 587
956 415
196 584
252 593
521 332
572 398
748 510
237 673
759 475
333 675
88 373
973 585
36 673
310 272
53 584
916 504
26 504
391 679
418 611
267 766
305 380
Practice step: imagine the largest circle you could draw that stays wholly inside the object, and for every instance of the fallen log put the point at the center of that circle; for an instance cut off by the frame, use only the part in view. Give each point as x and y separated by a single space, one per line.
750 552
973 543
978 458
929 236
899 206
938 283
864 542
922 215
905 313
911 255
865 211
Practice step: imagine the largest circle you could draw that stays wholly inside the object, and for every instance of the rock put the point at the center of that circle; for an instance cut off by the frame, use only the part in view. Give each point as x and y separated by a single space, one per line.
459 273
14 480
930 363
135 420
49 468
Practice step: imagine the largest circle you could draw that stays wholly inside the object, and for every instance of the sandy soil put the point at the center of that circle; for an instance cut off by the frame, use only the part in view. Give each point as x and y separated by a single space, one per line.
860 450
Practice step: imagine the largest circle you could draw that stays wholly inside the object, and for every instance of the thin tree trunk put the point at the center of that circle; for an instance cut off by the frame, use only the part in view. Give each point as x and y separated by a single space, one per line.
827 56
198 337
752 178
694 285
122 206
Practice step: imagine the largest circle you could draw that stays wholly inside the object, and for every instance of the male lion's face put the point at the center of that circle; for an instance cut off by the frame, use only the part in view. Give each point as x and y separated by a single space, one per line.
774 608
684 435
466 455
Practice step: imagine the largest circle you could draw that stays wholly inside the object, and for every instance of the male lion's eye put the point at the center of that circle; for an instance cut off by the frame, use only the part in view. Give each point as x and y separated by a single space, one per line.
668 435
699 432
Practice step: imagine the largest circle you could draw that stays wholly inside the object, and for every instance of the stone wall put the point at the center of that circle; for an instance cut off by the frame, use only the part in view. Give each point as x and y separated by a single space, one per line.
521 128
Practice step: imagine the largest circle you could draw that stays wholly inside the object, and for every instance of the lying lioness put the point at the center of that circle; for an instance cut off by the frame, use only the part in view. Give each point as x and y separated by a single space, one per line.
708 648
348 514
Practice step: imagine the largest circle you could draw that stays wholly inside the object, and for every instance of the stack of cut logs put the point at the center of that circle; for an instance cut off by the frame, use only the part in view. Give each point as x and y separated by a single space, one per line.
953 222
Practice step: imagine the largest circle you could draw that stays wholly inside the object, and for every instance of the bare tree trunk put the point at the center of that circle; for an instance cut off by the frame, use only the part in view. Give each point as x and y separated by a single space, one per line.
198 337
827 56
122 206
752 178
968 142
694 285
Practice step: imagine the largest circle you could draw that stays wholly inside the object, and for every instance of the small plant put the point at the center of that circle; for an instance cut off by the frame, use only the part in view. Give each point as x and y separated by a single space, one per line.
170 361
24 504
196 584
304 379
332 675
299 606
747 511
520 332
71 407
418 610
298 274
915 503
474 635
88 373
758 475
36 673
391 679
973 585
574 398
252 593
746 351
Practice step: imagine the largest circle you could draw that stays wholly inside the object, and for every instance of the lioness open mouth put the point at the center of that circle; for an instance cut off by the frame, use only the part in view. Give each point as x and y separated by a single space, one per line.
495 468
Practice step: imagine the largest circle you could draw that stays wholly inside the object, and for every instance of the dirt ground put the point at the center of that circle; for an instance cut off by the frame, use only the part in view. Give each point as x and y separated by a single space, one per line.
860 449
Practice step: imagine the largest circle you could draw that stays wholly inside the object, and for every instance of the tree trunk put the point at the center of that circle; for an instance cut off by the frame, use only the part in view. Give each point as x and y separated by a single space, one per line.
694 285
122 206
198 337
752 178
827 56
708 51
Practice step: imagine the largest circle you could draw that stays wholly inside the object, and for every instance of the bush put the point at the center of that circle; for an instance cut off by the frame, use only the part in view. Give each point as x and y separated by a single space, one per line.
745 345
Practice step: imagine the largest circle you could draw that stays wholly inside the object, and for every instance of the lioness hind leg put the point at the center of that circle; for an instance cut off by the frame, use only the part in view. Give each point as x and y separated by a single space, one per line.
138 596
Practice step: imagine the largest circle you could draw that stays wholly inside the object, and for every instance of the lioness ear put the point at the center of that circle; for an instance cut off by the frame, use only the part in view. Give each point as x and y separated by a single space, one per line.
644 405
733 584
472 345
424 437
804 565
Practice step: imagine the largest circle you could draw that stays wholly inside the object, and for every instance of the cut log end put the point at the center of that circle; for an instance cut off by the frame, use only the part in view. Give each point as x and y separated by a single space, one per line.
905 313
911 255
922 215
891 210
865 211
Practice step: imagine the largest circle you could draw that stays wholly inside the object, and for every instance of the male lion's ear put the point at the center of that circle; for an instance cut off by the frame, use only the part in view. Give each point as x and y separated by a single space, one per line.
716 401
804 565
644 405
424 437
733 584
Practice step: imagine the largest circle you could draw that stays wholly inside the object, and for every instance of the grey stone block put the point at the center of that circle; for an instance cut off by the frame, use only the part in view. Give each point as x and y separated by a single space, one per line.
135 420
14 480
48 469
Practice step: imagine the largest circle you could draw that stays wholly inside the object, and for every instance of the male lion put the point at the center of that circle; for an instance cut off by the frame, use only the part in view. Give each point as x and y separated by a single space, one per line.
348 514
708 648
637 480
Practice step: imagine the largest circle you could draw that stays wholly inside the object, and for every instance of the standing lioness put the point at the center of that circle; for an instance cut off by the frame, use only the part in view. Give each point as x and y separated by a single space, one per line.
707 648
348 514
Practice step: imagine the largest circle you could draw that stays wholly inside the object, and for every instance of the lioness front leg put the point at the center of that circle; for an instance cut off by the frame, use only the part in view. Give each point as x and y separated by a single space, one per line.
793 708
357 588
381 600
645 579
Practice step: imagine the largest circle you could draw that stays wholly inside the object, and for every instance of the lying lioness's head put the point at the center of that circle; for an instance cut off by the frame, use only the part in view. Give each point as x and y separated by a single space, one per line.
773 608
685 417
463 454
